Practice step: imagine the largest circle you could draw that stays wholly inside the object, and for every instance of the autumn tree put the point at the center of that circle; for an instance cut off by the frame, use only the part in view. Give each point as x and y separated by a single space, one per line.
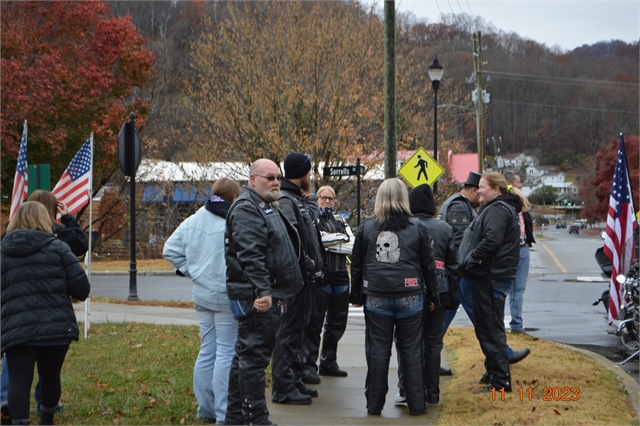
70 69
605 164
278 77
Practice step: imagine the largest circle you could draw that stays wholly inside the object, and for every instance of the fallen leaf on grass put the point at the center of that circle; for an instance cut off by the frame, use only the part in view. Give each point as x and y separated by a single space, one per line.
557 412
182 421
138 346
533 409
106 412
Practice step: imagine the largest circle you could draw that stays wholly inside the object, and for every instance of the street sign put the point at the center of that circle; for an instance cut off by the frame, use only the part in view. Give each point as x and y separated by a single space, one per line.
123 148
343 171
39 177
420 168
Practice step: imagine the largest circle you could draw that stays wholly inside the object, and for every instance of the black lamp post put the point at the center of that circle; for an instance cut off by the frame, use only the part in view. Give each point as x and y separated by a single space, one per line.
436 71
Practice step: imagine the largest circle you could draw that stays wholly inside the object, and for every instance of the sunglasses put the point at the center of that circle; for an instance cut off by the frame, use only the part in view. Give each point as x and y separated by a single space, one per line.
271 178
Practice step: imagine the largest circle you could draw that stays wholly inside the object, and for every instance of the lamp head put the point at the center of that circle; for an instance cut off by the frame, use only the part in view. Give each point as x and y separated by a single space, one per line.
436 71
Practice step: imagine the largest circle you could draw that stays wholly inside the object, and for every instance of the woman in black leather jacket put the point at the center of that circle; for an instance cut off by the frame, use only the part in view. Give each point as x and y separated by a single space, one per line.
488 256
392 275
39 276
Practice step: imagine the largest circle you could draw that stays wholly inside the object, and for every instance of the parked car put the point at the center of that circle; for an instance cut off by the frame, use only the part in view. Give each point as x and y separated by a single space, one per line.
544 220
583 223
575 228
561 224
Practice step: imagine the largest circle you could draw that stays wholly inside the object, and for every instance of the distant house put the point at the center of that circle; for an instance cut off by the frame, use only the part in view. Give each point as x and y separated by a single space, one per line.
552 178
516 161
534 172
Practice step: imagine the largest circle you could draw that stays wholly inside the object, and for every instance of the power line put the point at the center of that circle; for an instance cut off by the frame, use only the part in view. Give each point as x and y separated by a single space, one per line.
559 80
563 107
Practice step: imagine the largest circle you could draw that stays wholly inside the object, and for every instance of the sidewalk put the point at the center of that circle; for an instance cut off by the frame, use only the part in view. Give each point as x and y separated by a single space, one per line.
341 400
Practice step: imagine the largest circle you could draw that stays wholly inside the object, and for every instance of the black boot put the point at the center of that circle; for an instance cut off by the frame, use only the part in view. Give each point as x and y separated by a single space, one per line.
46 415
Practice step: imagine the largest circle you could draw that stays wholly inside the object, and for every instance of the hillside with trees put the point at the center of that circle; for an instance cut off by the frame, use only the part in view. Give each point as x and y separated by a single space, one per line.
214 81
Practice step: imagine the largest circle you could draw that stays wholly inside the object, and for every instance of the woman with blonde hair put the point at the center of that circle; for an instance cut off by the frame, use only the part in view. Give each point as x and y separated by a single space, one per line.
393 274
40 275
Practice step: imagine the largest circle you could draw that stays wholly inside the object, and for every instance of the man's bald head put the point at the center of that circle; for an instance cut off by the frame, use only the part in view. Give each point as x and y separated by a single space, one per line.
264 179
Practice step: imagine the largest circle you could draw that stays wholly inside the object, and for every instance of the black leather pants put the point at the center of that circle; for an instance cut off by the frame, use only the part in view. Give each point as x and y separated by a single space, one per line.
378 341
288 354
433 334
488 312
336 308
246 402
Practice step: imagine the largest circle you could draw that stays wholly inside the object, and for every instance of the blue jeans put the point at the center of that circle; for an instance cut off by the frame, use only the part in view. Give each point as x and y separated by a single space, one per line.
218 335
396 307
465 298
516 292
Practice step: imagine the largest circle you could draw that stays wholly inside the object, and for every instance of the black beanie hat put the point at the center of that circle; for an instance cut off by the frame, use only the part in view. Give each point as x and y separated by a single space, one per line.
421 200
296 165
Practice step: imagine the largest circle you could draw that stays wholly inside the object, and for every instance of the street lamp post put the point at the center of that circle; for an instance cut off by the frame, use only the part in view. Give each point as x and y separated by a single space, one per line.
435 74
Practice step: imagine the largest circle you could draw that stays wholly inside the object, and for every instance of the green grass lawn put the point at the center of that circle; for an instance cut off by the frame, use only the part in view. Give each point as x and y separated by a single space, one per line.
141 374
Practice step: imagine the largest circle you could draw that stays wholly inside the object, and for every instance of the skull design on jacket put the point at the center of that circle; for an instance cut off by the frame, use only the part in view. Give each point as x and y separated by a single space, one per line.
387 249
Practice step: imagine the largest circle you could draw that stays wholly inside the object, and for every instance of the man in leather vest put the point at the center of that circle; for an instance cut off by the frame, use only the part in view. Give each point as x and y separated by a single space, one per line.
263 273
458 211
300 207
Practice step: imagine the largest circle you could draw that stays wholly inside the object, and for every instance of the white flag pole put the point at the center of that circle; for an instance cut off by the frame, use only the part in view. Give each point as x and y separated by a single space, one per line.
87 302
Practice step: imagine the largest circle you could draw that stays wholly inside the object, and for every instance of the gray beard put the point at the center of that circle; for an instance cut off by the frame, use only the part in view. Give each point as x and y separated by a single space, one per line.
272 198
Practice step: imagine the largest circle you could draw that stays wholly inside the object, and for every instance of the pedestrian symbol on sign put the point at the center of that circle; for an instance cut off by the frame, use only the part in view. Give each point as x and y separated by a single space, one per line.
414 170
423 167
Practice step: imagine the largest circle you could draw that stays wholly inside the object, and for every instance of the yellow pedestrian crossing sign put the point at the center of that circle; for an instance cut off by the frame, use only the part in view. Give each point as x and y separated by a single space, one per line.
420 168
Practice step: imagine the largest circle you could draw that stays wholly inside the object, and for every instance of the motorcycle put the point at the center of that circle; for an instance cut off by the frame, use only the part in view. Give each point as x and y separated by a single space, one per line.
627 325
628 322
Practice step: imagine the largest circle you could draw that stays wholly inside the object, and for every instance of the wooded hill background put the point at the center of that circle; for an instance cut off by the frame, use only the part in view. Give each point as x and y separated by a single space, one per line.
318 66
215 81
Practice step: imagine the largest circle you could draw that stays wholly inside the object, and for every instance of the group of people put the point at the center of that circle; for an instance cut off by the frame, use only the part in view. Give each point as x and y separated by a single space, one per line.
286 252
269 268
40 275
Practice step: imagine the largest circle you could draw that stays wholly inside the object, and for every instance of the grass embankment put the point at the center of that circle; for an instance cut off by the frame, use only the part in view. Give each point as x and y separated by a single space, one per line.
553 386
129 373
124 265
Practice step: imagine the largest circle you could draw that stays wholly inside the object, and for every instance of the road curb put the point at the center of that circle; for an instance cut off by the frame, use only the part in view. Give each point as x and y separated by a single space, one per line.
141 273
633 388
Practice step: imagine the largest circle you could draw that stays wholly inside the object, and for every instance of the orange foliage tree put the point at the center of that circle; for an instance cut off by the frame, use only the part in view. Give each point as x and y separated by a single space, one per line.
605 162
69 69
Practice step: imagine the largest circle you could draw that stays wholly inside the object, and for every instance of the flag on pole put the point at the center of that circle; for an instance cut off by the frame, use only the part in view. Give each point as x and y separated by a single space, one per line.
20 182
74 185
621 221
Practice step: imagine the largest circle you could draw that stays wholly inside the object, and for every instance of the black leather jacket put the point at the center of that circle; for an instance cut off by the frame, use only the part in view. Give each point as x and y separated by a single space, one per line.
458 212
302 213
392 264
262 251
444 256
491 244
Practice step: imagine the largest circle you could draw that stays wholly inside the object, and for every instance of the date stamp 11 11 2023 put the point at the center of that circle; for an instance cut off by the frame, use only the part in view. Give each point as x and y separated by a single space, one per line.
555 393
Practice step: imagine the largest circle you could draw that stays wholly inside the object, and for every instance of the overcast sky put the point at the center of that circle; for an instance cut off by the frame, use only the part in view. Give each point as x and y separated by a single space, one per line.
566 23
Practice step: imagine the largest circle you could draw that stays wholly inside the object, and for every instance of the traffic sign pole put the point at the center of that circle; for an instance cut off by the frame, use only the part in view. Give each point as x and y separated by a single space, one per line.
131 137
358 189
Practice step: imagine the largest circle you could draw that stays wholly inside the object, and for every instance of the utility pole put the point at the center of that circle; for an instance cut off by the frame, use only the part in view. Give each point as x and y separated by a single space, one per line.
390 136
477 66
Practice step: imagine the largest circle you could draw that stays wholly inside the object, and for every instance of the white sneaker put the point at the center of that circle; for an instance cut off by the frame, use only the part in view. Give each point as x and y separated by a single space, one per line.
400 400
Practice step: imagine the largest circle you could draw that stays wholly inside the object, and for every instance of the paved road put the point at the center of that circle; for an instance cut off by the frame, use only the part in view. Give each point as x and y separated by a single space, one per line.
557 303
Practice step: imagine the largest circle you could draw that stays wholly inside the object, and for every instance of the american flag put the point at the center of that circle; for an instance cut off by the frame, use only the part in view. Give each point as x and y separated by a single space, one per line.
73 187
20 182
621 221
